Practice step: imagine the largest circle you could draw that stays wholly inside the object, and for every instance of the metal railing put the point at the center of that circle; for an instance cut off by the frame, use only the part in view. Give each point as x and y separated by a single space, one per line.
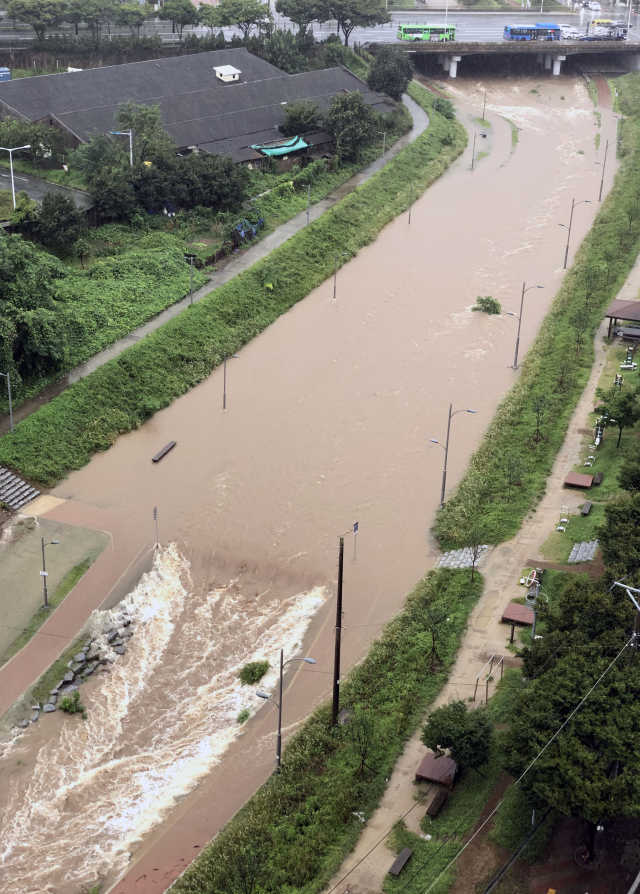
489 678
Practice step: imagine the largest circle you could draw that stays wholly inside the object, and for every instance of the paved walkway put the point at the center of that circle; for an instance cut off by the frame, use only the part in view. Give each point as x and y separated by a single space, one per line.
238 265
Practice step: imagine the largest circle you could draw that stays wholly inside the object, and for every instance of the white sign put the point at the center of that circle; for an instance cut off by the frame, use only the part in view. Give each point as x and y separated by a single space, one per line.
44 574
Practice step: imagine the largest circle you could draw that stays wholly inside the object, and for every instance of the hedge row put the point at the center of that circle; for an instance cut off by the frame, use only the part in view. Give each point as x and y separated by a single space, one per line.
297 829
508 473
124 393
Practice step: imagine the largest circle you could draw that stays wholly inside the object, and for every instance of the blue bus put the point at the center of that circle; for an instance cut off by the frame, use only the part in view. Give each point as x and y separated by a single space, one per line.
539 31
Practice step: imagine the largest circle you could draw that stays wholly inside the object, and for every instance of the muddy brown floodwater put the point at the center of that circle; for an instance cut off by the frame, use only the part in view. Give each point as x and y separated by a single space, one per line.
329 417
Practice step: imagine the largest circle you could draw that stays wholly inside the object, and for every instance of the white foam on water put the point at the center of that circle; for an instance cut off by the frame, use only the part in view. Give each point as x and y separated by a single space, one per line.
160 721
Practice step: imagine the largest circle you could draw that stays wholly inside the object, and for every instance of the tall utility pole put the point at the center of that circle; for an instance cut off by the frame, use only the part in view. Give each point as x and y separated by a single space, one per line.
335 705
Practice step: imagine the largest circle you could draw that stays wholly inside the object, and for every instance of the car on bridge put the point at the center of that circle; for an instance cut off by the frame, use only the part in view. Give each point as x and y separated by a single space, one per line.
568 32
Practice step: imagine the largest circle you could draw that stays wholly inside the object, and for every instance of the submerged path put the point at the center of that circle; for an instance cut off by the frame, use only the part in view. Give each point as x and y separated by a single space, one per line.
230 270
330 411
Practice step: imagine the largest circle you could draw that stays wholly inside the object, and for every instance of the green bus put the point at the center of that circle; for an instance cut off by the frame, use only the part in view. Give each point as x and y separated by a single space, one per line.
426 32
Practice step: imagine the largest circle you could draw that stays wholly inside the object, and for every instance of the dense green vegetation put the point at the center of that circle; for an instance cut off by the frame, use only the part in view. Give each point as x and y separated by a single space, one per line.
125 392
530 423
299 826
55 316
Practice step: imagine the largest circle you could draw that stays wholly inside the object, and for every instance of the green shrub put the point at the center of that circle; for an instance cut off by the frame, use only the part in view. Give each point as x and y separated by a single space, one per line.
123 393
243 716
253 672
71 704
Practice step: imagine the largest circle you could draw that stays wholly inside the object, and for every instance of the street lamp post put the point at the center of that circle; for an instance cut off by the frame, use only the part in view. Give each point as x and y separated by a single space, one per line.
335 271
125 133
510 313
604 164
473 156
445 447
278 703
44 573
574 204
308 188
224 379
11 151
7 376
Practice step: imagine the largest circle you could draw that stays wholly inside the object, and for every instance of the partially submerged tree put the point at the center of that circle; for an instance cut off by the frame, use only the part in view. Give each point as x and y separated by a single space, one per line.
487 305
467 734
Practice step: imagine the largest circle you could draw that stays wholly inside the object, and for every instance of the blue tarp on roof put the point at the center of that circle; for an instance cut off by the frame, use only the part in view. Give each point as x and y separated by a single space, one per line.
282 148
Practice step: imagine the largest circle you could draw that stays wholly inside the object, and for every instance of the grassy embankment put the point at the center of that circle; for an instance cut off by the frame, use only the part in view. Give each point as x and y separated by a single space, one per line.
122 394
298 827
506 477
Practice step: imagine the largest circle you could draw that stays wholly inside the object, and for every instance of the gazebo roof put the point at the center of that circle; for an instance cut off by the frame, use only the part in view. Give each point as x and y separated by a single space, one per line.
624 310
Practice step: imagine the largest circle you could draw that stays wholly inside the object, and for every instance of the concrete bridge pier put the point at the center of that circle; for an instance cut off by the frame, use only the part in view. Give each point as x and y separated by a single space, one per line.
453 66
547 61
557 62
540 58
446 62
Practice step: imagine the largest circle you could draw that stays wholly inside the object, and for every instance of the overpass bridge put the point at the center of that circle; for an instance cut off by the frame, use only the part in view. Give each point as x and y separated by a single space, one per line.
550 54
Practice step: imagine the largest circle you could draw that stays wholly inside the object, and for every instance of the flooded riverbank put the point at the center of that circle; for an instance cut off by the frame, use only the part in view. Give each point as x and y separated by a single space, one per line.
329 417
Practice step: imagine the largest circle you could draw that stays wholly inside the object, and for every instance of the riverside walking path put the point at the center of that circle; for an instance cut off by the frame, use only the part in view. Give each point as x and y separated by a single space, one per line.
236 266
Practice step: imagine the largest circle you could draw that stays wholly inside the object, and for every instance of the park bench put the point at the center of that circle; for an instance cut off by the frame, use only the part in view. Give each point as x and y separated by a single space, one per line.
598 478
436 804
586 507
400 861
163 452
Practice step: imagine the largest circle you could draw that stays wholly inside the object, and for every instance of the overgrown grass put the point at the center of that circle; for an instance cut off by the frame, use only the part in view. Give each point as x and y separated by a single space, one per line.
124 393
507 475
111 298
512 824
302 823
63 589
592 90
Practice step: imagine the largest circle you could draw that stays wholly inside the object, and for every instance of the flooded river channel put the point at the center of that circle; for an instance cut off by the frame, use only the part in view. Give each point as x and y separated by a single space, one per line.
328 420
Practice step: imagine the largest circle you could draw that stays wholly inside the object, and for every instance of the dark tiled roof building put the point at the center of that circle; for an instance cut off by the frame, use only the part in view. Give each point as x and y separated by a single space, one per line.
199 109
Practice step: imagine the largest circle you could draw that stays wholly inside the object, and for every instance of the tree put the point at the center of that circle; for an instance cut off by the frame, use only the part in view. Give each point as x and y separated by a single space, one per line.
351 14
244 14
475 541
619 537
592 768
513 471
352 124
620 408
132 16
363 735
466 734
59 223
151 142
281 50
210 16
180 13
300 117
96 14
390 72
113 194
75 13
24 215
539 405
629 474
40 14
34 327
487 305
302 13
